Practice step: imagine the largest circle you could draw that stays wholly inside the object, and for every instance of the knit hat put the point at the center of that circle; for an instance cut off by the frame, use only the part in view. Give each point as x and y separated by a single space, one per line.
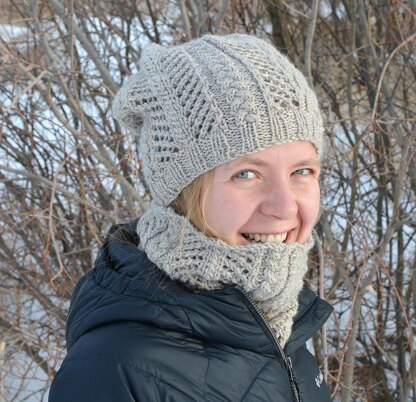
212 100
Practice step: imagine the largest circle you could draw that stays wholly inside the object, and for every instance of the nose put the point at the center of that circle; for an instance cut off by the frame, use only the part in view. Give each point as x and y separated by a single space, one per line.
280 202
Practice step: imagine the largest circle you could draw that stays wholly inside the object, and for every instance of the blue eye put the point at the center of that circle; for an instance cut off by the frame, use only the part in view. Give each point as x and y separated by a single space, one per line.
303 171
245 174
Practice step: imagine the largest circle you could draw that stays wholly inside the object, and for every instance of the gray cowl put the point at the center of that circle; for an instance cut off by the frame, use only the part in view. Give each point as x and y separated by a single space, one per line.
271 274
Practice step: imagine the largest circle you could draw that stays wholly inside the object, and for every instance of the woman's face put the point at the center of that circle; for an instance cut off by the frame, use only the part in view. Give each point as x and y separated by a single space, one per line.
267 196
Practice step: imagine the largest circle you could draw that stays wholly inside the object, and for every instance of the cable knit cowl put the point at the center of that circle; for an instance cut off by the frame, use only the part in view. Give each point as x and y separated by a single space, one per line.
272 274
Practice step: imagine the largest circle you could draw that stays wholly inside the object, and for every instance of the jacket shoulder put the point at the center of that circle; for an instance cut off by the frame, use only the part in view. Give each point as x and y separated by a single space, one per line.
102 380
127 362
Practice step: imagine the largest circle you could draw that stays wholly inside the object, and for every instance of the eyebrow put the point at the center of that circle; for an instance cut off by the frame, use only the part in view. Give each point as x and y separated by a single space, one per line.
245 159
308 161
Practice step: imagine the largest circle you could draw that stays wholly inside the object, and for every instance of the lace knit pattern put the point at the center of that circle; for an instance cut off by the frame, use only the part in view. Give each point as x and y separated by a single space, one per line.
209 101
272 274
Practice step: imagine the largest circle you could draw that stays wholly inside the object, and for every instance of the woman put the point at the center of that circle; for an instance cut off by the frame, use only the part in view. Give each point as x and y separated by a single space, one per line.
202 298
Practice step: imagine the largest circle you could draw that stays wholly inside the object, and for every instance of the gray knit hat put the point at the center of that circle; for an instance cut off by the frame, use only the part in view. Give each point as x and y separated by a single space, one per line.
212 100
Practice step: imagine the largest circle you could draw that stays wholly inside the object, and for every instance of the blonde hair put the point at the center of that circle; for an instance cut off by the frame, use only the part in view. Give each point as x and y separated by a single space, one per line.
190 203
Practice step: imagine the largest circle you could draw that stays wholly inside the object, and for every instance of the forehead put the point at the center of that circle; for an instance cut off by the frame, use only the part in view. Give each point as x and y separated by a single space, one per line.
291 154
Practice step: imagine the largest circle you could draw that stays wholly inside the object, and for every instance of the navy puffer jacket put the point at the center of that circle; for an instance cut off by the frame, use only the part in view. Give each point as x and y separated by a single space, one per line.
135 335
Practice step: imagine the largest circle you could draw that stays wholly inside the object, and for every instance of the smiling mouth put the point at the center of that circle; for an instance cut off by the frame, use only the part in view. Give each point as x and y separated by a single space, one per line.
265 238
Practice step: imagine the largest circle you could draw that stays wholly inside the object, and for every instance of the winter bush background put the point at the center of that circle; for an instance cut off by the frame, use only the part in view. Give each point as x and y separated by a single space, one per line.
68 171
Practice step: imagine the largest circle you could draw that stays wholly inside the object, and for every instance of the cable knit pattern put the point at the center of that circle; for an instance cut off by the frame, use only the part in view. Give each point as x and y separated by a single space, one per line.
209 101
271 273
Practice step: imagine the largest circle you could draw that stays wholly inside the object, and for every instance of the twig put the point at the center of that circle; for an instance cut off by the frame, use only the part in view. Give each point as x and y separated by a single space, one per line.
88 46
49 183
50 218
309 40
221 14
185 19
383 72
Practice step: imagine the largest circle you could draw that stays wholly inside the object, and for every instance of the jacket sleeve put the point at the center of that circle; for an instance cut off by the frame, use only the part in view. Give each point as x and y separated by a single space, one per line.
94 380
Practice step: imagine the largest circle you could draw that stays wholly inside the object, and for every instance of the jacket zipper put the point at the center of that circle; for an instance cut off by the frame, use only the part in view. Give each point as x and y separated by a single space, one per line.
286 359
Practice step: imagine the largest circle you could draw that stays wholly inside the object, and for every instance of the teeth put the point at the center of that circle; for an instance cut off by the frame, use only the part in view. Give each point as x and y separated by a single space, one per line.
268 238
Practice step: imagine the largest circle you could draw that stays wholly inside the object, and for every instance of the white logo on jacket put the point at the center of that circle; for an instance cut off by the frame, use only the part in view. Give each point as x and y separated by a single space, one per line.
319 379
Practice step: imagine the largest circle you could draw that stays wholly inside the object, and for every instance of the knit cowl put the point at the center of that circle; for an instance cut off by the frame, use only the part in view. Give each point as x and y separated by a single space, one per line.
272 274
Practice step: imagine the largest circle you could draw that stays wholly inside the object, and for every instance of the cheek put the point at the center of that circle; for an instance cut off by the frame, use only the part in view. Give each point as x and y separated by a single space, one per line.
225 211
312 205
309 203
214 210
309 212
216 207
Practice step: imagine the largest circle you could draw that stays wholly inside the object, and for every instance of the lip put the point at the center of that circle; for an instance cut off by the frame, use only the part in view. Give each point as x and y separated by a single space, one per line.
288 236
